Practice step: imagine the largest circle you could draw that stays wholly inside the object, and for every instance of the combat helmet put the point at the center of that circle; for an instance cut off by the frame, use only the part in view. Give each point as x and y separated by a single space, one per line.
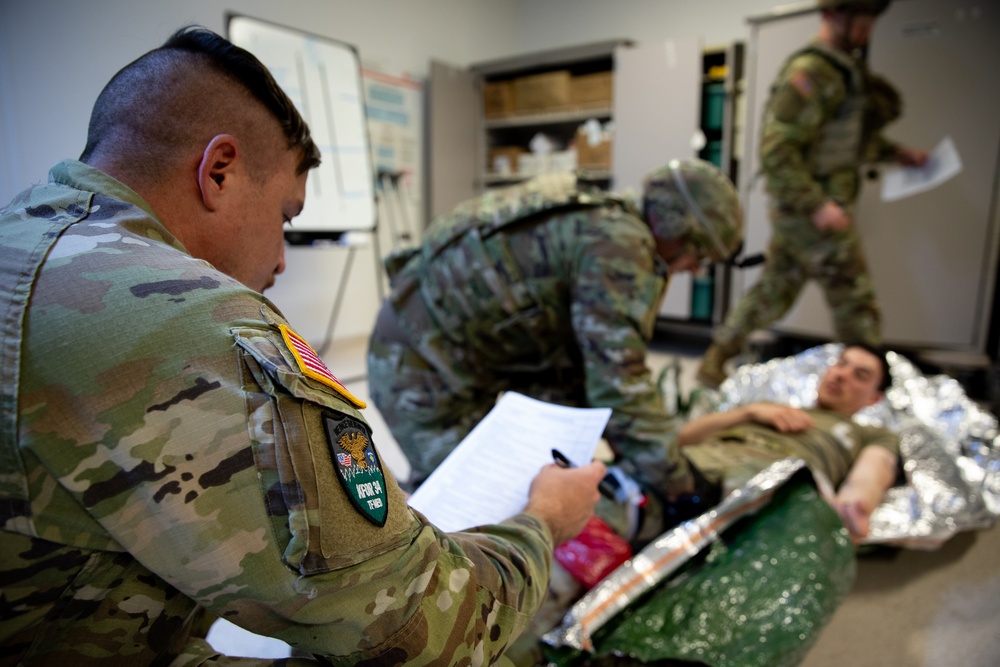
874 6
693 200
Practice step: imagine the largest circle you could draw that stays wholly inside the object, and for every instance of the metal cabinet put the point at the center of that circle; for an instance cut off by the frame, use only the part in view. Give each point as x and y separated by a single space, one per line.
655 111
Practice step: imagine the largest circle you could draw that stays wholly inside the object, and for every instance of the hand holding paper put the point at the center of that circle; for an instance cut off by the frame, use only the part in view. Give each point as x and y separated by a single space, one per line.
943 164
488 477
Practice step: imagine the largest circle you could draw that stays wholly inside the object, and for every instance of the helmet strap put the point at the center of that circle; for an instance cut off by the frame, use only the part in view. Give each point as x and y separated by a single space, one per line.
696 210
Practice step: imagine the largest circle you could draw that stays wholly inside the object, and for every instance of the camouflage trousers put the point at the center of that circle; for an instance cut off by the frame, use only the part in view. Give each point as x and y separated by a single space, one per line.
799 252
730 465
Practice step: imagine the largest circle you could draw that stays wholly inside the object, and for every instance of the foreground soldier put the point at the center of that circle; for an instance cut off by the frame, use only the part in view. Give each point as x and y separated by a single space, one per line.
822 122
550 289
167 446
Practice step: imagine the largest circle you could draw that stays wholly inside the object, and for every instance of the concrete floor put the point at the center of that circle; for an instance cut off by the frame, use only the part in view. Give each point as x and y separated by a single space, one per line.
920 609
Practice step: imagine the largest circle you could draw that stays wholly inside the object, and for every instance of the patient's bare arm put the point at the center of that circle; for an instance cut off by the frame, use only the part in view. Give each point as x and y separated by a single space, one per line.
871 476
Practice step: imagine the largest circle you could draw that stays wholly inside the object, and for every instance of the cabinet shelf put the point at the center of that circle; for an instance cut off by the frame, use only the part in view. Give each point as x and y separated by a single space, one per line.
549 118
501 179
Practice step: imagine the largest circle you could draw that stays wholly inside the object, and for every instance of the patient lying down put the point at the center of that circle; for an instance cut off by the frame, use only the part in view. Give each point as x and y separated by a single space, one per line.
773 550
860 461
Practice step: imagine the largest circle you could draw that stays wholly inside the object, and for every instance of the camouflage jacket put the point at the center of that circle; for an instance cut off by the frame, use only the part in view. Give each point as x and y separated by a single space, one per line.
822 121
545 282
168 448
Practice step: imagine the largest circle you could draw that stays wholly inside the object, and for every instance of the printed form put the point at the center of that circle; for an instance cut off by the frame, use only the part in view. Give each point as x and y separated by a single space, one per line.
942 164
486 479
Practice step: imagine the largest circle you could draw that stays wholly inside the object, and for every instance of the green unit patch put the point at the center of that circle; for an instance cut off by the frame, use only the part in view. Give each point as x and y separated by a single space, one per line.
358 466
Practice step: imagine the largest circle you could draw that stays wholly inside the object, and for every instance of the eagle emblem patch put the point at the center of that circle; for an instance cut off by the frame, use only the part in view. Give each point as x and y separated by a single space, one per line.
358 466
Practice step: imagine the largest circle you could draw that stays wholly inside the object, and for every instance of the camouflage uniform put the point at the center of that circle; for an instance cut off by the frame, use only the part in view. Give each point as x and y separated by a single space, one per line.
543 288
731 457
822 121
167 457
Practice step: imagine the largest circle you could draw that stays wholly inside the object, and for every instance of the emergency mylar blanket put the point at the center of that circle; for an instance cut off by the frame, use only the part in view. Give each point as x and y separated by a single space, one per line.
752 581
949 445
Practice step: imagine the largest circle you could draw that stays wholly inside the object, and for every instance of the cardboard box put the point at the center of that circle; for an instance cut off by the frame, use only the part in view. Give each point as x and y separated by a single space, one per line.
498 99
531 164
505 160
542 92
592 156
563 161
592 89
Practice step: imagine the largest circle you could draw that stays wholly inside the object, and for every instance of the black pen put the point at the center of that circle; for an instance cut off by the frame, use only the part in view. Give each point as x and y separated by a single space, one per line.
604 487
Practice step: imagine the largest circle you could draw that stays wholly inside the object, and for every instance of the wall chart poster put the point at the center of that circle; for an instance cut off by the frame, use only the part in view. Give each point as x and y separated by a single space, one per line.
394 107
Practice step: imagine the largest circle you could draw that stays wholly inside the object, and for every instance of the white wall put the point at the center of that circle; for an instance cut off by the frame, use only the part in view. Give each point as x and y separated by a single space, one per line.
56 55
545 24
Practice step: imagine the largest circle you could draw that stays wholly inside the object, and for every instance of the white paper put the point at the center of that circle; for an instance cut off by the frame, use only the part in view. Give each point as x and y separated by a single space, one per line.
942 164
486 479
232 640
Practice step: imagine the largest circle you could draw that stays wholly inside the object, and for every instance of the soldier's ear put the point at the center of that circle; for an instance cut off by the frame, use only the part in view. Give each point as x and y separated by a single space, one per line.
670 249
216 169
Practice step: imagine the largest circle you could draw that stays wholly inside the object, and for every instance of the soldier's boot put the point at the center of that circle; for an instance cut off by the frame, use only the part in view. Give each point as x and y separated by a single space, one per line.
711 372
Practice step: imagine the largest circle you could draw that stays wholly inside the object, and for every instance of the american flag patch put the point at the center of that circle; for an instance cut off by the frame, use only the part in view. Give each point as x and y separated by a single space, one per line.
312 366
344 460
802 83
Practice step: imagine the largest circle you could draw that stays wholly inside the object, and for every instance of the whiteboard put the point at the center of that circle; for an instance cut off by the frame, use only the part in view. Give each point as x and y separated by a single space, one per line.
322 77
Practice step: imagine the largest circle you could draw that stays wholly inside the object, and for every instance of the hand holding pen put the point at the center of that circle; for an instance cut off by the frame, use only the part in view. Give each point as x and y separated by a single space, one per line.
564 498
605 487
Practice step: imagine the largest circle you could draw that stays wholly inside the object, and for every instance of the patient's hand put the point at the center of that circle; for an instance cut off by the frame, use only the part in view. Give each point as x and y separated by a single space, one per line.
863 490
856 516
782 418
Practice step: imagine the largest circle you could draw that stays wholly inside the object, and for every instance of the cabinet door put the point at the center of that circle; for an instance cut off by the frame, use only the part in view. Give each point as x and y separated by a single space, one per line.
453 137
657 105
933 255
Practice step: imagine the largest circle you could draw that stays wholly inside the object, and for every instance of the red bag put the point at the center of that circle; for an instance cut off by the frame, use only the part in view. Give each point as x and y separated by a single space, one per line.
592 554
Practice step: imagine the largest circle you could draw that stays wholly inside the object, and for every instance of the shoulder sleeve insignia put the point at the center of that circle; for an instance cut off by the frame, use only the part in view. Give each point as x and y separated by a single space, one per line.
358 466
802 83
313 367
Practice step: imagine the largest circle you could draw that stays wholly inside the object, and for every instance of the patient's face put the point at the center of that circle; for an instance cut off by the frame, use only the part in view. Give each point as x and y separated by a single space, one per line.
851 383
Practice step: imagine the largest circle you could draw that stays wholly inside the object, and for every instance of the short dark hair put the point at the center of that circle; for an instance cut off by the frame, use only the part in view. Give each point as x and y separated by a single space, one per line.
228 60
879 352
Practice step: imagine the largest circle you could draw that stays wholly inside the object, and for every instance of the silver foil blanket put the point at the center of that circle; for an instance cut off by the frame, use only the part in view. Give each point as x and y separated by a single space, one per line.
950 449
949 445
